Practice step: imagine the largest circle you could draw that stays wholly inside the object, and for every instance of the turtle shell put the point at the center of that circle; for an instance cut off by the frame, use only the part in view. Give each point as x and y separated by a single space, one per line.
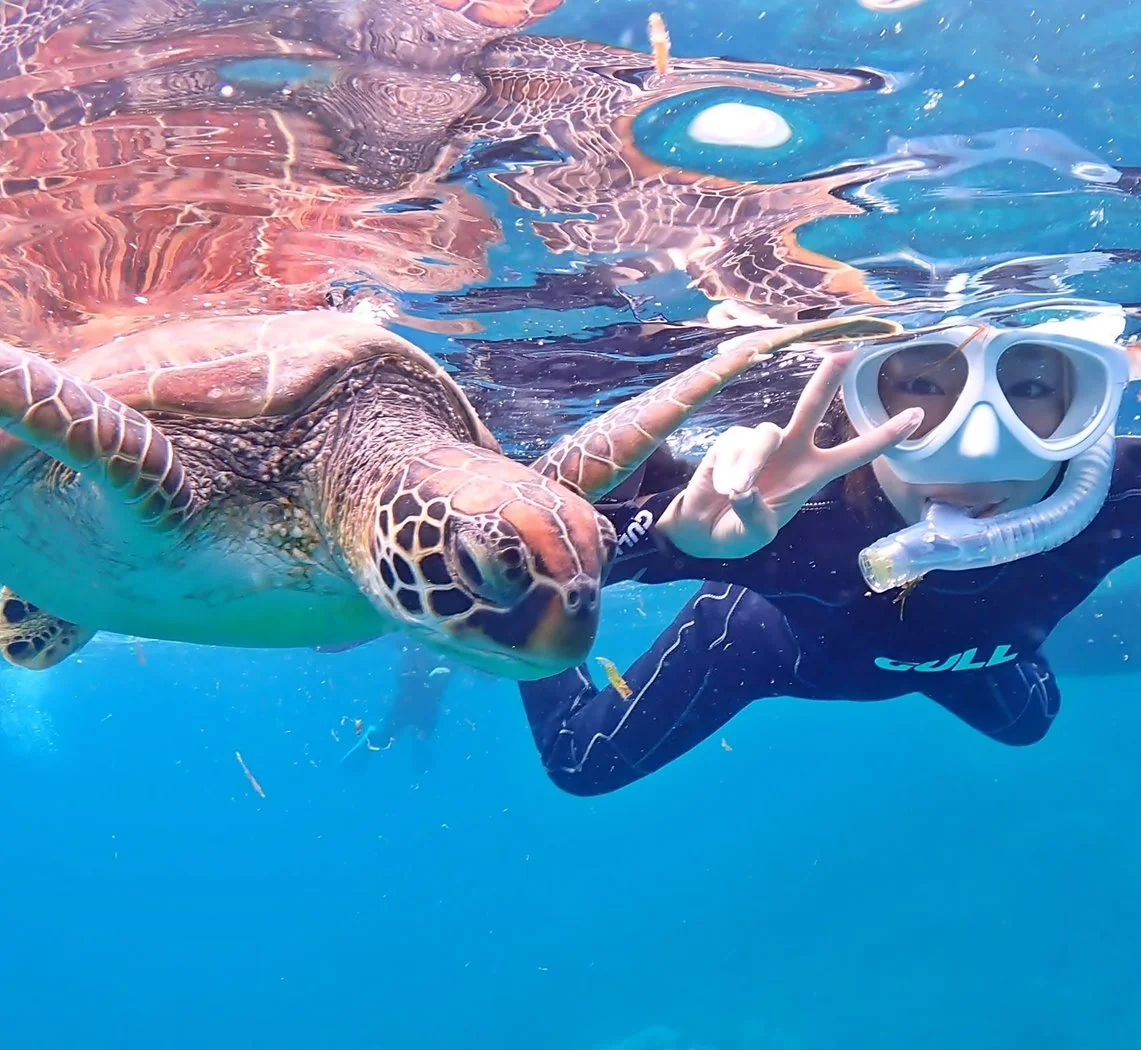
246 367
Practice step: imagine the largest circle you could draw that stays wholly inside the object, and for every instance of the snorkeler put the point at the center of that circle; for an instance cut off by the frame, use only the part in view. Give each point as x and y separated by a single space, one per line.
419 688
1013 478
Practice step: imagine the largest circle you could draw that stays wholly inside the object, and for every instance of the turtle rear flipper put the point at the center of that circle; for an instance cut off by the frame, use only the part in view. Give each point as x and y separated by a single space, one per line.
33 639
604 452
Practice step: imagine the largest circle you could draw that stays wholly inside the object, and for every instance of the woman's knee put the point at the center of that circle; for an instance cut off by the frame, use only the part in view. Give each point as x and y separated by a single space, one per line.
1024 732
574 782
600 773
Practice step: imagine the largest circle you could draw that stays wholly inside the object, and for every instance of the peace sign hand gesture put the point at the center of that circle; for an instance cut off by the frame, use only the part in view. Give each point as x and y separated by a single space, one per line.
754 479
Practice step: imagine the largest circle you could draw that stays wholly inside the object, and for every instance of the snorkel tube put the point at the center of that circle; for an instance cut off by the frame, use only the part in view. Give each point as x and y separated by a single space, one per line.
948 538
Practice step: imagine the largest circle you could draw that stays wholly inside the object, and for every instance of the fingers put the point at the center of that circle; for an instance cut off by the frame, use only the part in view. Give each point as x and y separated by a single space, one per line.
718 470
700 484
818 394
865 448
740 453
758 521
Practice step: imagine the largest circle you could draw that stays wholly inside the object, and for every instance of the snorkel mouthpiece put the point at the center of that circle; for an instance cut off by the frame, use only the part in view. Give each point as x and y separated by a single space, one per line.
947 538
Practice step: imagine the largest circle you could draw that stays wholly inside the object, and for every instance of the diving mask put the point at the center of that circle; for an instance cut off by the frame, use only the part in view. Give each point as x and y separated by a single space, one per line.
999 405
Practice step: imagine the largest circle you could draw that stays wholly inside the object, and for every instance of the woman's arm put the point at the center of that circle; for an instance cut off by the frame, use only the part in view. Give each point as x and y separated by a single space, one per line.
749 485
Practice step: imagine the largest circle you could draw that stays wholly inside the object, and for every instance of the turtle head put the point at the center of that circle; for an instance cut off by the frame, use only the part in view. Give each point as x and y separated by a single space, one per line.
491 561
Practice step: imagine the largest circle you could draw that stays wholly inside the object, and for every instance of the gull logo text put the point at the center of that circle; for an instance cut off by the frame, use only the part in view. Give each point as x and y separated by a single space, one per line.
636 530
965 661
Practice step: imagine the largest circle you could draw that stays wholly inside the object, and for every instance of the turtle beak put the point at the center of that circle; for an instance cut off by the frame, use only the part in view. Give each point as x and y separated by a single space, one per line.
567 629
549 631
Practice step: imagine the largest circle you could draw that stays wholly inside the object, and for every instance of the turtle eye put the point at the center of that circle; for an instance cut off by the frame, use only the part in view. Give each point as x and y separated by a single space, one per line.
466 563
493 569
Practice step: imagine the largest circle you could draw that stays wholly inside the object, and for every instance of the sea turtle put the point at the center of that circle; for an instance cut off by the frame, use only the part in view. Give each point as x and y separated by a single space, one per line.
305 479
195 449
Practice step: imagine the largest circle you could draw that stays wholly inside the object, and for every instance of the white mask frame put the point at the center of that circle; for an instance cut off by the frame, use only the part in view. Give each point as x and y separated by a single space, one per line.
982 439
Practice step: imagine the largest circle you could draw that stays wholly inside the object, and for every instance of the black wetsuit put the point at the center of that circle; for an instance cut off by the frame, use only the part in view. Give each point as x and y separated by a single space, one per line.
796 619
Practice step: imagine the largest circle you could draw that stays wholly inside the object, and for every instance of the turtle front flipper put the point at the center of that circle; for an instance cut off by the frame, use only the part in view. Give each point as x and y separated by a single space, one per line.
86 429
604 452
33 639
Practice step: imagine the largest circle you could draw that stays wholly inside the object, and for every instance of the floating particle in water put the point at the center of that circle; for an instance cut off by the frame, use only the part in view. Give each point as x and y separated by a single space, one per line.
725 745
904 593
660 42
25 724
614 676
249 776
28 728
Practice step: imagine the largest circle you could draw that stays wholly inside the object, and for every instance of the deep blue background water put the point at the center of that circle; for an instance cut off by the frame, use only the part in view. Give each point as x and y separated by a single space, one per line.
857 876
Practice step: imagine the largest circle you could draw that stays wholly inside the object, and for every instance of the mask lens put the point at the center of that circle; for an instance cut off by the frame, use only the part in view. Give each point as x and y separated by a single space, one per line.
930 377
1038 382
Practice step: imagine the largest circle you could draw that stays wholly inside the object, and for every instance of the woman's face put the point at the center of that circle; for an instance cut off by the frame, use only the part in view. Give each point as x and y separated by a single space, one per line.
982 500
1036 380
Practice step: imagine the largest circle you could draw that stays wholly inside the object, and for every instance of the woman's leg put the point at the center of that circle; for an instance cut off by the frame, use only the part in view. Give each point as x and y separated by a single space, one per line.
1013 704
727 647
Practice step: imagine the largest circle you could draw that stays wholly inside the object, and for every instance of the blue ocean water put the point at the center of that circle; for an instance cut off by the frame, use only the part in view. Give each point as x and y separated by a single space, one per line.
871 877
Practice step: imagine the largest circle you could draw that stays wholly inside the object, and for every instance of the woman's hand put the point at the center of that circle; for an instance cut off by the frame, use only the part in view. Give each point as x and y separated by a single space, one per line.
754 479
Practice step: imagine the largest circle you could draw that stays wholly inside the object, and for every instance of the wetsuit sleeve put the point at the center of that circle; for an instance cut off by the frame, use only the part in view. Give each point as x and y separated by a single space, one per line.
728 646
643 551
633 508
664 470
645 554
1014 704
1114 536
